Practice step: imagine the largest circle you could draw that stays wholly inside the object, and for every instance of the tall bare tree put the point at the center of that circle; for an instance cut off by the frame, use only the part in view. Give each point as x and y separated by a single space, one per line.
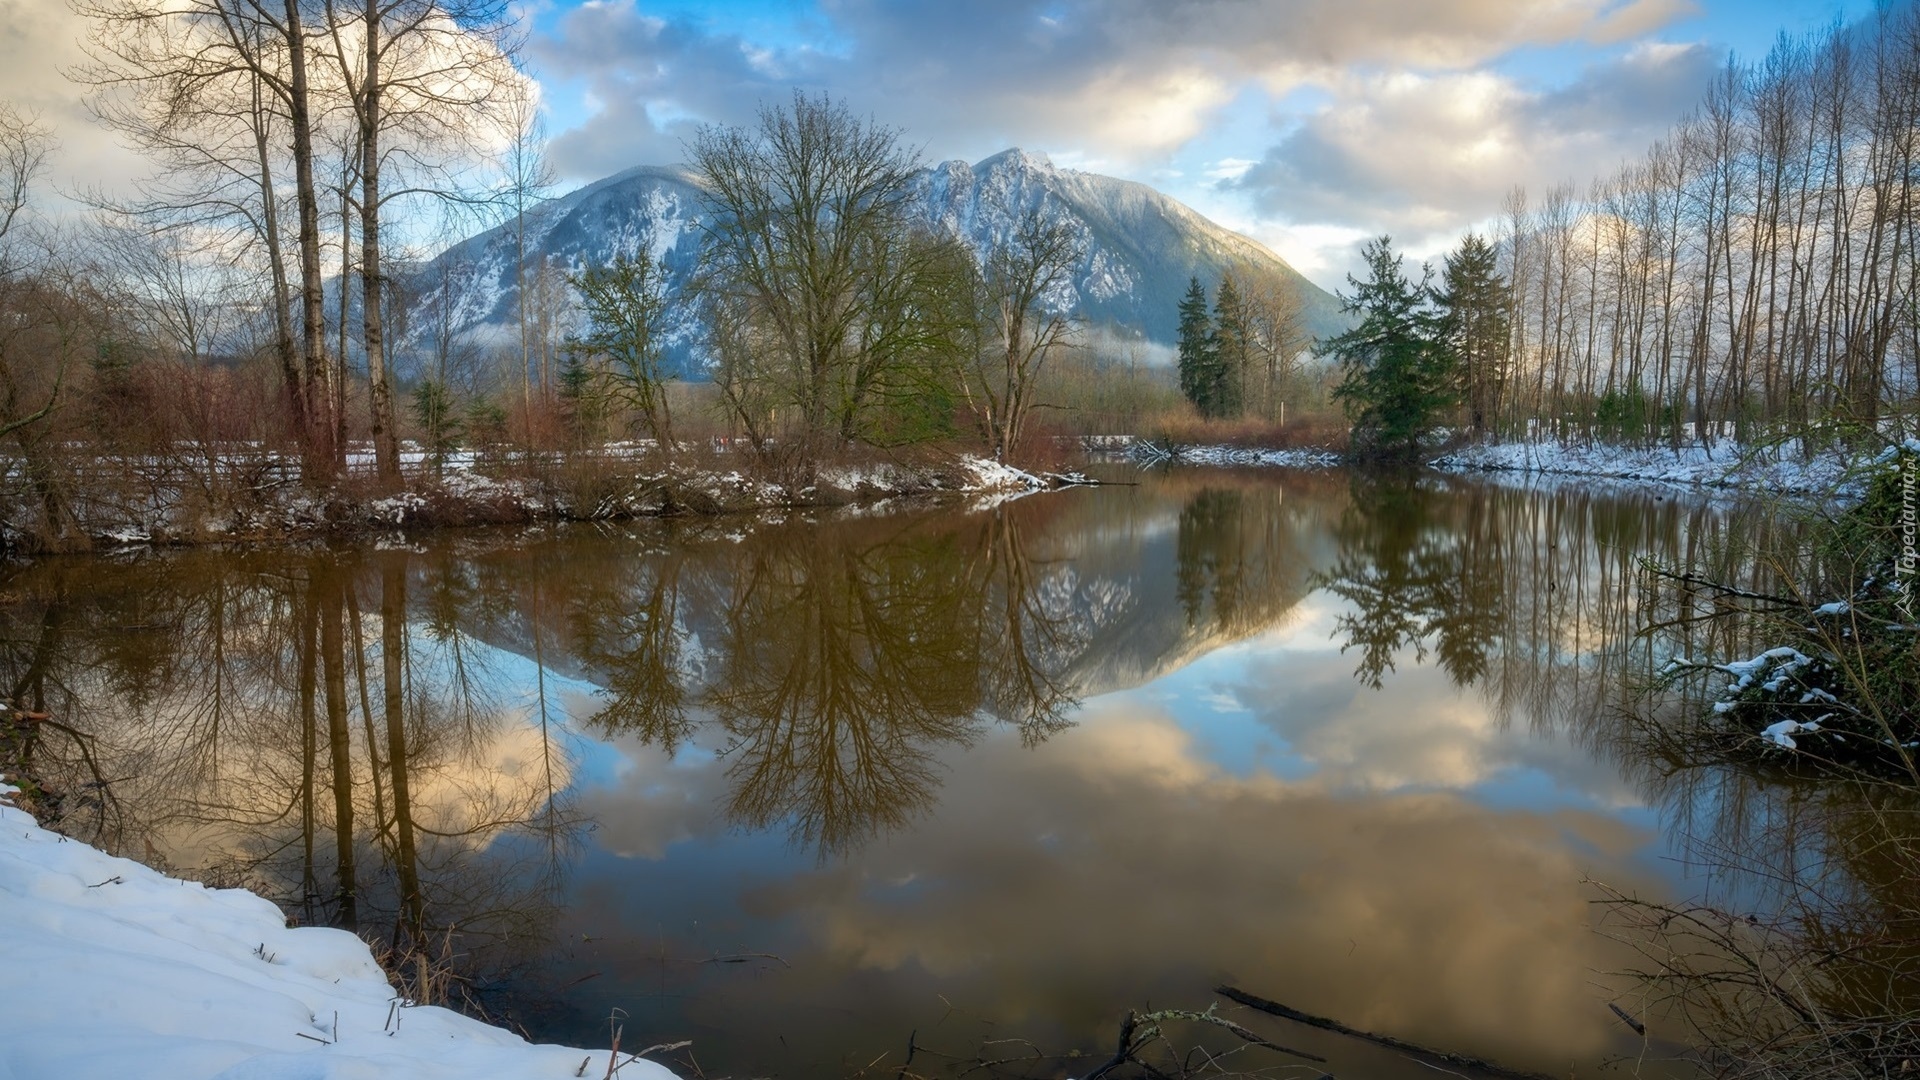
212 91
424 81
807 244
1029 317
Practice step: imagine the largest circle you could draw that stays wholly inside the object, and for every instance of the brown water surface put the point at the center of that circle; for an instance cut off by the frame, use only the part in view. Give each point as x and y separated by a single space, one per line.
811 790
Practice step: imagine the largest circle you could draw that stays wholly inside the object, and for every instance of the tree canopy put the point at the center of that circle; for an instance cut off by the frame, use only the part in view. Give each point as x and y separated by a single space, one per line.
1396 370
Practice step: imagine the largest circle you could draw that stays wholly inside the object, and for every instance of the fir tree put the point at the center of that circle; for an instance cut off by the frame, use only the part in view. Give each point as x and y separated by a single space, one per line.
1196 346
433 410
1231 349
1396 371
1474 322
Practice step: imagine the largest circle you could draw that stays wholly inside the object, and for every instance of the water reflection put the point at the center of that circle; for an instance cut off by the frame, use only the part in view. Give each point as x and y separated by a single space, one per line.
277 720
1351 741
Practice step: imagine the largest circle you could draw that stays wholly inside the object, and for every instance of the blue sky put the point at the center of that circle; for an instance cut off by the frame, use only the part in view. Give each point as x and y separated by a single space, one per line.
1308 124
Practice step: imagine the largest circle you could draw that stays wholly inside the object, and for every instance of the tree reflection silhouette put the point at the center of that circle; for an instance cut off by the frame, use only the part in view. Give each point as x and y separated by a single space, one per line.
1418 573
1239 567
230 699
830 663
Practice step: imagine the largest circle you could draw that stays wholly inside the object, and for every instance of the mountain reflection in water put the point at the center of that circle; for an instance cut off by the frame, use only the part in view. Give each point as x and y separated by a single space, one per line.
797 788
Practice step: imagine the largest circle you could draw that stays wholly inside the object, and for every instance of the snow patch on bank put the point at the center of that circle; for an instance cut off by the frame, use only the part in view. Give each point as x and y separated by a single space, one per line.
1725 465
114 971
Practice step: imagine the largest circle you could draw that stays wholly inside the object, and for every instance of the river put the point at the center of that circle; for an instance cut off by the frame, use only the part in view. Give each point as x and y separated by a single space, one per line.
817 790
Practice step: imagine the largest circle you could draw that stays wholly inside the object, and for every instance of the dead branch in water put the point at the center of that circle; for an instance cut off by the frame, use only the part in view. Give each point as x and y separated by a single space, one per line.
1287 1012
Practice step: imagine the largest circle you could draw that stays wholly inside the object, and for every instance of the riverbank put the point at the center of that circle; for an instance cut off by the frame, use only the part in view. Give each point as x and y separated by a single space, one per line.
1725 466
1778 469
115 970
262 500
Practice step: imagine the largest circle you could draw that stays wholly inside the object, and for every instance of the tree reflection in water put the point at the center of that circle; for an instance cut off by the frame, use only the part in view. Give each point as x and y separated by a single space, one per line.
841 658
387 738
1806 953
279 720
352 731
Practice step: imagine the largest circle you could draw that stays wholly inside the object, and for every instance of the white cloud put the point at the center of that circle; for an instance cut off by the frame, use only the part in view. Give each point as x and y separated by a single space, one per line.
1132 80
1424 154
1232 168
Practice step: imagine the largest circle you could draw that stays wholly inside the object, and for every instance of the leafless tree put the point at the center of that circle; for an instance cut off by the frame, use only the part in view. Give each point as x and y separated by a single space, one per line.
423 81
1024 283
808 245
212 91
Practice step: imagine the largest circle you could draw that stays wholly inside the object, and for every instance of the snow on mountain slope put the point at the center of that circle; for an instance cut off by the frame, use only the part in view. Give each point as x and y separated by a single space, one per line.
1142 247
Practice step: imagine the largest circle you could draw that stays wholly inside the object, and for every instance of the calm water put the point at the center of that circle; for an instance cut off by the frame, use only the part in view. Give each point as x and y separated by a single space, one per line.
804 789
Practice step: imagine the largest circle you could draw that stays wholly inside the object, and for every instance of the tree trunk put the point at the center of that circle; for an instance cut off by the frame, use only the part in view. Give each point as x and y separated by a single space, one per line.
393 613
317 390
340 747
386 448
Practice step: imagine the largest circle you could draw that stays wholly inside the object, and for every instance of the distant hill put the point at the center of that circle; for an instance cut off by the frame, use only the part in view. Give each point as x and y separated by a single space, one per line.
1142 247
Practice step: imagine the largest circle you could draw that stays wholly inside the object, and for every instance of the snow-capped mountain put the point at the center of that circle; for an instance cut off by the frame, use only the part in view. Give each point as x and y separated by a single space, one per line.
1141 247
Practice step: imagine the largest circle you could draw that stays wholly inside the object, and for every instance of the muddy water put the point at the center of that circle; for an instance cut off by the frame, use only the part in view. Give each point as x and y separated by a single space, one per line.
969 782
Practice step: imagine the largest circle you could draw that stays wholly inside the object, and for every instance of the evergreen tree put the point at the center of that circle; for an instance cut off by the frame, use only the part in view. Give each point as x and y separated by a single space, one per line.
580 397
1231 349
1396 371
1473 313
1196 347
433 410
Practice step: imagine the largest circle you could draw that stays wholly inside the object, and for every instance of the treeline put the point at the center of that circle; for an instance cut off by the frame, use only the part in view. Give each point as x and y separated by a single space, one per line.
1754 273
1245 357
232 317
247 309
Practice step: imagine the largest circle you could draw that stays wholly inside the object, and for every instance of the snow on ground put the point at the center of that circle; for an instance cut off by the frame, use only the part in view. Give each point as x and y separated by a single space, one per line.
465 483
990 475
1725 465
116 971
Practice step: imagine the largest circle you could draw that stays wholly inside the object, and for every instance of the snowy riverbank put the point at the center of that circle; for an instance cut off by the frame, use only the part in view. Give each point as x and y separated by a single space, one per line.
1726 465
261 499
116 971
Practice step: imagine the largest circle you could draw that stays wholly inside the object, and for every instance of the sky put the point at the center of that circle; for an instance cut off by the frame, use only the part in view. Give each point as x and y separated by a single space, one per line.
1310 125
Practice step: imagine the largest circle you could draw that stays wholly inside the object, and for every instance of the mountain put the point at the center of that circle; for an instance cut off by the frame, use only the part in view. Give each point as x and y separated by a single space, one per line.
1141 248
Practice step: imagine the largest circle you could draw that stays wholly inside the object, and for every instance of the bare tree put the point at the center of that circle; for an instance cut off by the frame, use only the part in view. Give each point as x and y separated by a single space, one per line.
809 213
48 312
211 91
528 176
1024 278
422 80
1277 337
178 299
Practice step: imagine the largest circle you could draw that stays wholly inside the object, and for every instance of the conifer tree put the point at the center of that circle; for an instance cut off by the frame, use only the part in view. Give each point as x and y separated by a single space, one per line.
1474 301
1396 371
1231 347
1196 346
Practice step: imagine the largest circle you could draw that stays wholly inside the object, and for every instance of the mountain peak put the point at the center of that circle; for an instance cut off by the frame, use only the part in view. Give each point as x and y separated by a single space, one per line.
1017 158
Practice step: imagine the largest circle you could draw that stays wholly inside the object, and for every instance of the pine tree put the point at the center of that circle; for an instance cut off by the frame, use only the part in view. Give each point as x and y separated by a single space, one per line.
1474 322
1196 347
1231 348
1396 370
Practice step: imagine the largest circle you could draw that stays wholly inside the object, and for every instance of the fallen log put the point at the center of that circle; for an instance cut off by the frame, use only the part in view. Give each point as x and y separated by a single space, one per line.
1287 1012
